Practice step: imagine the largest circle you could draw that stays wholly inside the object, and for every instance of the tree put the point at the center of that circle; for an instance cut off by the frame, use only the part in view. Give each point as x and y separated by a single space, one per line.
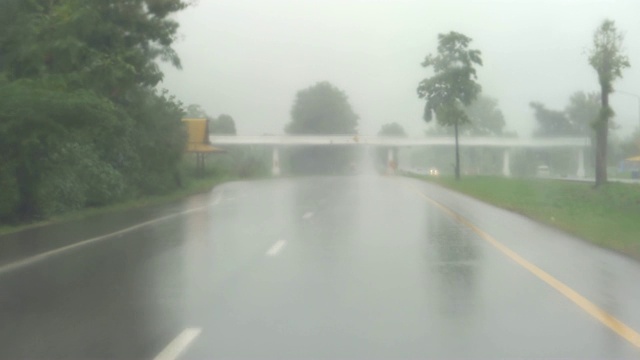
109 46
223 125
555 123
551 123
81 120
607 58
321 109
452 85
196 111
576 119
392 129
486 119
582 112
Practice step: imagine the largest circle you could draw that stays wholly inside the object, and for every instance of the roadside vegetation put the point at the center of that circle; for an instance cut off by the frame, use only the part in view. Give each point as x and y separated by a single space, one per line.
84 125
607 216
83 122
221 168
453 97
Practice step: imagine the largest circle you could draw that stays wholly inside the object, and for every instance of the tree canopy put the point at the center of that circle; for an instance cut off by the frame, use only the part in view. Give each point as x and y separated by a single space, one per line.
196 111
485 119
81 119
322 109
392 129
608 59
606 55
551 123
582 112
223 125
577 118
453 83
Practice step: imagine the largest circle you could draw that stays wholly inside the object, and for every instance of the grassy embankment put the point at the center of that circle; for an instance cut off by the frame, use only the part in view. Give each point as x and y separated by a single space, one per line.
609 216
218 171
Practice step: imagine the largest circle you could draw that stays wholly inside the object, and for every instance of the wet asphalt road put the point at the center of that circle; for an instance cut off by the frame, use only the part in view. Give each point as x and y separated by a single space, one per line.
342 267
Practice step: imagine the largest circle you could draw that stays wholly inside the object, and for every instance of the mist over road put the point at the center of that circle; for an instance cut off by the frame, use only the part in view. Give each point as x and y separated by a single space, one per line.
316 267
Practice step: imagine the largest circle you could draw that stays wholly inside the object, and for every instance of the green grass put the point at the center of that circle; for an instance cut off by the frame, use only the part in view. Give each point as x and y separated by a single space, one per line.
608 216
191 186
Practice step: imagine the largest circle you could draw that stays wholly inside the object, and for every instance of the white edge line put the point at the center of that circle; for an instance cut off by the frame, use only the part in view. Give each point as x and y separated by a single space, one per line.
178 345
39 257
275 249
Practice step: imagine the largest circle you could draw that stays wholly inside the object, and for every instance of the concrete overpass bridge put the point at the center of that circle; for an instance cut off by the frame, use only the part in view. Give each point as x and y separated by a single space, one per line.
507 144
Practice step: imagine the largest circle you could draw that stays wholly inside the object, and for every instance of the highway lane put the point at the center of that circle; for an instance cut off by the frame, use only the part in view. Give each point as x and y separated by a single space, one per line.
335 267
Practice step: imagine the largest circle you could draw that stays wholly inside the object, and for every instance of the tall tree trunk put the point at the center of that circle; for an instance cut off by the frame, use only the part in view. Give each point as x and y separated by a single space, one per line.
457 152
602 135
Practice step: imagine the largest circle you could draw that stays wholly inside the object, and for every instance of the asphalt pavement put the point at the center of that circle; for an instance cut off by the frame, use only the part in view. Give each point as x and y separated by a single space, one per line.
318 267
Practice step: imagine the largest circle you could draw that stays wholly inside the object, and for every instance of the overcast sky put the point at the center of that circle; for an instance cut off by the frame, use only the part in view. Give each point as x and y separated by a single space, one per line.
249 58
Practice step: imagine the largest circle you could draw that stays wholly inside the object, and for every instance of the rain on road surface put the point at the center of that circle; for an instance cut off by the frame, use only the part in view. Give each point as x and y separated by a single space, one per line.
329 267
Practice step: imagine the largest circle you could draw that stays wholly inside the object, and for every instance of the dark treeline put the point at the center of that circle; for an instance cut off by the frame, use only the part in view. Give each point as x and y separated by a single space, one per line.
81 121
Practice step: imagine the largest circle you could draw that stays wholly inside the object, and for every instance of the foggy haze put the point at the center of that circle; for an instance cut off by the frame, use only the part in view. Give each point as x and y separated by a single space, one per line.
249 58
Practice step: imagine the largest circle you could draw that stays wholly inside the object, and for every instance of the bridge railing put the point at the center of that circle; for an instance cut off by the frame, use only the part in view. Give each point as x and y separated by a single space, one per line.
396 141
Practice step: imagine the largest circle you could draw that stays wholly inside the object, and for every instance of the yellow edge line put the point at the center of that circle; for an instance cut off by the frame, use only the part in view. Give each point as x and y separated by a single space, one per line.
585 304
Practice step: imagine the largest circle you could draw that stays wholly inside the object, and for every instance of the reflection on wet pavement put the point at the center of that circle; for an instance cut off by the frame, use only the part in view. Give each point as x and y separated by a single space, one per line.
364 268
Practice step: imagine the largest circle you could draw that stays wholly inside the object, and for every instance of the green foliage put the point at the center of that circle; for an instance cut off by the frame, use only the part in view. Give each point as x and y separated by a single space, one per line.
196 111
551 123
78 178
607 216
321 109
607 58
485 119
41 129
10 194
237 162
452 85
392 129
223 125
606 55
157 142
80 122
582 112
577 119
109 46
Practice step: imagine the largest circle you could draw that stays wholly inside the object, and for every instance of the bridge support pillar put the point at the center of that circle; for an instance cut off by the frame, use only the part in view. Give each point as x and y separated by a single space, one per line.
275 164
391 164
581 173
506 163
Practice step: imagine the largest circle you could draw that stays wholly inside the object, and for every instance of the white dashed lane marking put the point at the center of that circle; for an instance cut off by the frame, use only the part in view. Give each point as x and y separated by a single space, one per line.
275 249
179 344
